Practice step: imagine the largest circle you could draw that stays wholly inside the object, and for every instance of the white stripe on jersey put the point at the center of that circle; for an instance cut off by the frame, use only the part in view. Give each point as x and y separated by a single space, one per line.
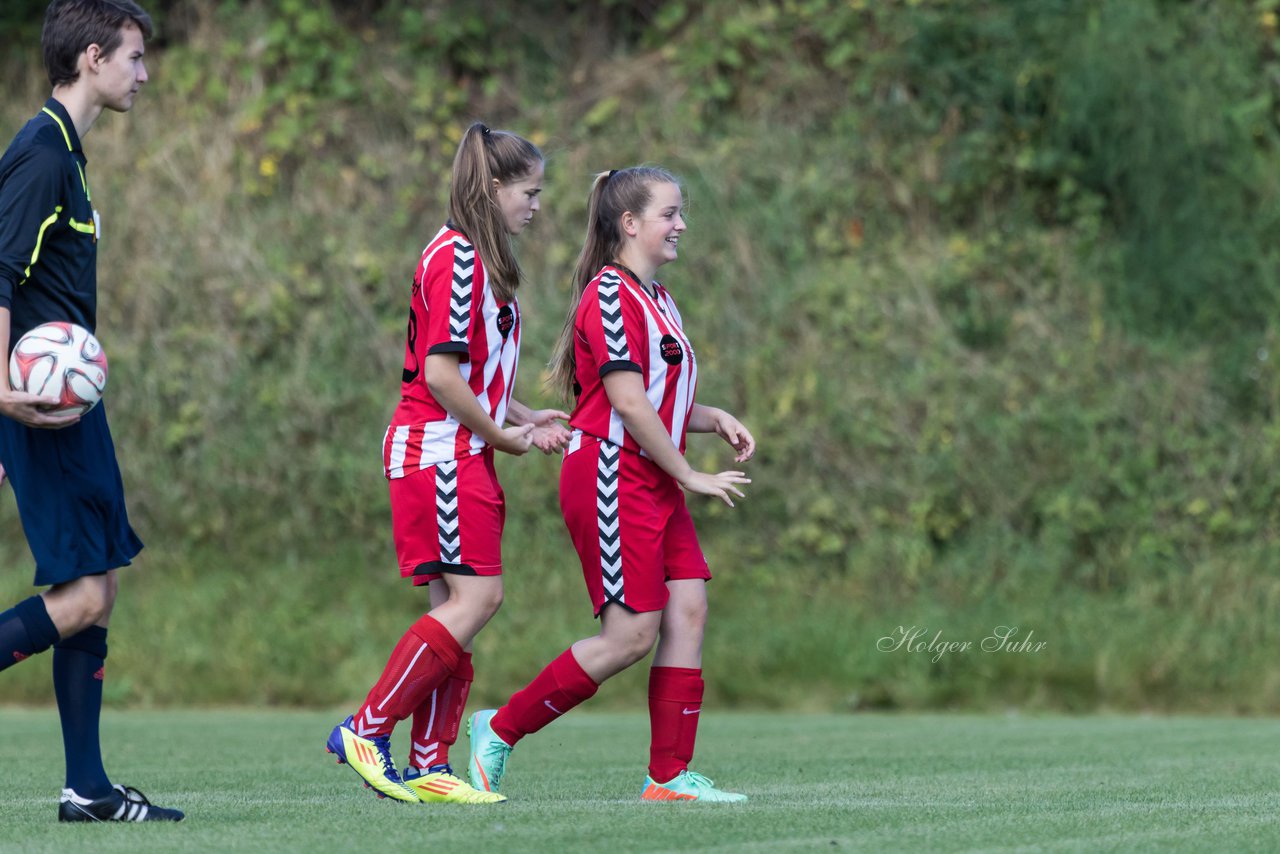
658 367
426 259
508 360
400 437
436 434
617 428
684 403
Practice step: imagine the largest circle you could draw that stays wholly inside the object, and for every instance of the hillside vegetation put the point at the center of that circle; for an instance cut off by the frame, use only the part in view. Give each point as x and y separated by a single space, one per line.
993 283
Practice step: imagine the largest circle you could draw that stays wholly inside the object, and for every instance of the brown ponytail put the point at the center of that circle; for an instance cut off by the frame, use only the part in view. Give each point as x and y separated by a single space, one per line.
482 156
612 194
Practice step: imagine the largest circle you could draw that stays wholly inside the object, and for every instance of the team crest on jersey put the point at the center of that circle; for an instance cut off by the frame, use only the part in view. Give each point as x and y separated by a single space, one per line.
670 349
506 321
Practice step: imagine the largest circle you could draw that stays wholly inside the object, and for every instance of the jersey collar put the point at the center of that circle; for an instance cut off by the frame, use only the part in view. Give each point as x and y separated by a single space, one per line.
53 109
626 271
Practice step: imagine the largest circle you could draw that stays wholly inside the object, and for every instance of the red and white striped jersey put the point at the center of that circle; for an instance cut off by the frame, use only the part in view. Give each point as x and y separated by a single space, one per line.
452 310
620 327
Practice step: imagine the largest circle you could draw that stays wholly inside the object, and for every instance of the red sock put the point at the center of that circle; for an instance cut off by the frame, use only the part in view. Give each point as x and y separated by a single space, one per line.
675 703
560 686
435 722
423 658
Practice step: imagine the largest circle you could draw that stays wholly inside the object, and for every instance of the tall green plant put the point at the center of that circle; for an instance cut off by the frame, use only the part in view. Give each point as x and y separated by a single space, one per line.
1162 113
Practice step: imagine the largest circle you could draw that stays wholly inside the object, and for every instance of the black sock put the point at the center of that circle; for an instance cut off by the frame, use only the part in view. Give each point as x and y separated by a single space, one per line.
25 630
78 664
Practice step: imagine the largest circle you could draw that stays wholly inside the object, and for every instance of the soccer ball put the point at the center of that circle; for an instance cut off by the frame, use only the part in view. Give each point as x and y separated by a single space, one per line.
60 360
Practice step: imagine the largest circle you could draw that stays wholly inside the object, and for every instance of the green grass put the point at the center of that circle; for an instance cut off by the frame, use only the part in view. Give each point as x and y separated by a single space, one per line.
260 781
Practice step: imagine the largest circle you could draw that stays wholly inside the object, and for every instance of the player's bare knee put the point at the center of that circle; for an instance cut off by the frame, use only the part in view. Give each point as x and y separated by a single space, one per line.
96 600
685 623
693 615
636 645
490 602
626 648
107 598
478 597
78 604
484 600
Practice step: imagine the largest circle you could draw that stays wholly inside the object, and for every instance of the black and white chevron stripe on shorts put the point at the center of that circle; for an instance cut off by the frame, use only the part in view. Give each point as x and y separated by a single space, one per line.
608 522
447 511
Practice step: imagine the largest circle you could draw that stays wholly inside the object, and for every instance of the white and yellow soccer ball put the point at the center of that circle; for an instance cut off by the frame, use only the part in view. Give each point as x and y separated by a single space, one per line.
60 360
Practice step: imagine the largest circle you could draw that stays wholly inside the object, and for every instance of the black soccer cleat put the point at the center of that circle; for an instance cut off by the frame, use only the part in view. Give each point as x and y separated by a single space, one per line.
125 803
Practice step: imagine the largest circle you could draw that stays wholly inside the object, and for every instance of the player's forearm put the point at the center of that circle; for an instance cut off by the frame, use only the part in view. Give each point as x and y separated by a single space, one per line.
646 428
703 419
518 414
626 395
4 349
452 392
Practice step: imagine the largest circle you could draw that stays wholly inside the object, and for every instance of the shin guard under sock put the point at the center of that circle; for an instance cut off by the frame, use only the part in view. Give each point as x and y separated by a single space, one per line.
79 667
560 686
675 704
424 657
436 721
25 630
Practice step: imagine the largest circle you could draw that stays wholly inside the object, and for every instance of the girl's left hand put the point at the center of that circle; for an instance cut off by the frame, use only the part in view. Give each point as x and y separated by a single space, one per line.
731 430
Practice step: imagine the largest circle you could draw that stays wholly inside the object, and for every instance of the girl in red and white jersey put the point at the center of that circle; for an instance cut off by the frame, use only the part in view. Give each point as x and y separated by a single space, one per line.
625 357
650 341
461 354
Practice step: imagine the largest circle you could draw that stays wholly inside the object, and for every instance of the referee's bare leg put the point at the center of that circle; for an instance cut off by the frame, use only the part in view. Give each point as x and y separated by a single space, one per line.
86 601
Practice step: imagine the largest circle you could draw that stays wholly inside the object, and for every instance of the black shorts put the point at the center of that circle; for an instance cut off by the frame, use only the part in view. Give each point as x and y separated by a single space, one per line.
70 497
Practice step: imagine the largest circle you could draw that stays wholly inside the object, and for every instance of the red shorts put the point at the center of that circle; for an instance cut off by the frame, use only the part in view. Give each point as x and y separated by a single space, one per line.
448 518
628 520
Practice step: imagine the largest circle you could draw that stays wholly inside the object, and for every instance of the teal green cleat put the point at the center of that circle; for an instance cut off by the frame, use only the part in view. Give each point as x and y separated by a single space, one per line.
688 786
488 752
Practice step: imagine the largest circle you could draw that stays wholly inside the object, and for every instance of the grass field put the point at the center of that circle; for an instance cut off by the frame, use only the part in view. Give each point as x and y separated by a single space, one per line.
260 781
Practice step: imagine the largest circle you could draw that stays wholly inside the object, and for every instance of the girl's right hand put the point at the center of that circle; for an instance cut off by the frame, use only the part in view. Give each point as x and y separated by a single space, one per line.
716 485
515 440
551 438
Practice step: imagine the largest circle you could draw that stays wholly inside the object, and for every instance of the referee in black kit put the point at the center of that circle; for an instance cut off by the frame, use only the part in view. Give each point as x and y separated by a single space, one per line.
63 468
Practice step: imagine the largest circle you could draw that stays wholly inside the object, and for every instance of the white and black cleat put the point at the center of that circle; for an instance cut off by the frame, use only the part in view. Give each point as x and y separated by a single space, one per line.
125 803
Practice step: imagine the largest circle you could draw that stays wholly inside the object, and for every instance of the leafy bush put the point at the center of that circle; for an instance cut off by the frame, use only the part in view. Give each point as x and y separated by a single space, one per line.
990 282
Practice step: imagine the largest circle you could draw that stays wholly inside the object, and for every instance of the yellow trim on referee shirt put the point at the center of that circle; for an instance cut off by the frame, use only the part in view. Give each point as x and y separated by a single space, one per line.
35 254
82 227
61 126
67 137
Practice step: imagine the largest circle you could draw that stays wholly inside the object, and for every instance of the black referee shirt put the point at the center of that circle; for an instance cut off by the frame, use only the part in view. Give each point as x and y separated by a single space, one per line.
48 232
